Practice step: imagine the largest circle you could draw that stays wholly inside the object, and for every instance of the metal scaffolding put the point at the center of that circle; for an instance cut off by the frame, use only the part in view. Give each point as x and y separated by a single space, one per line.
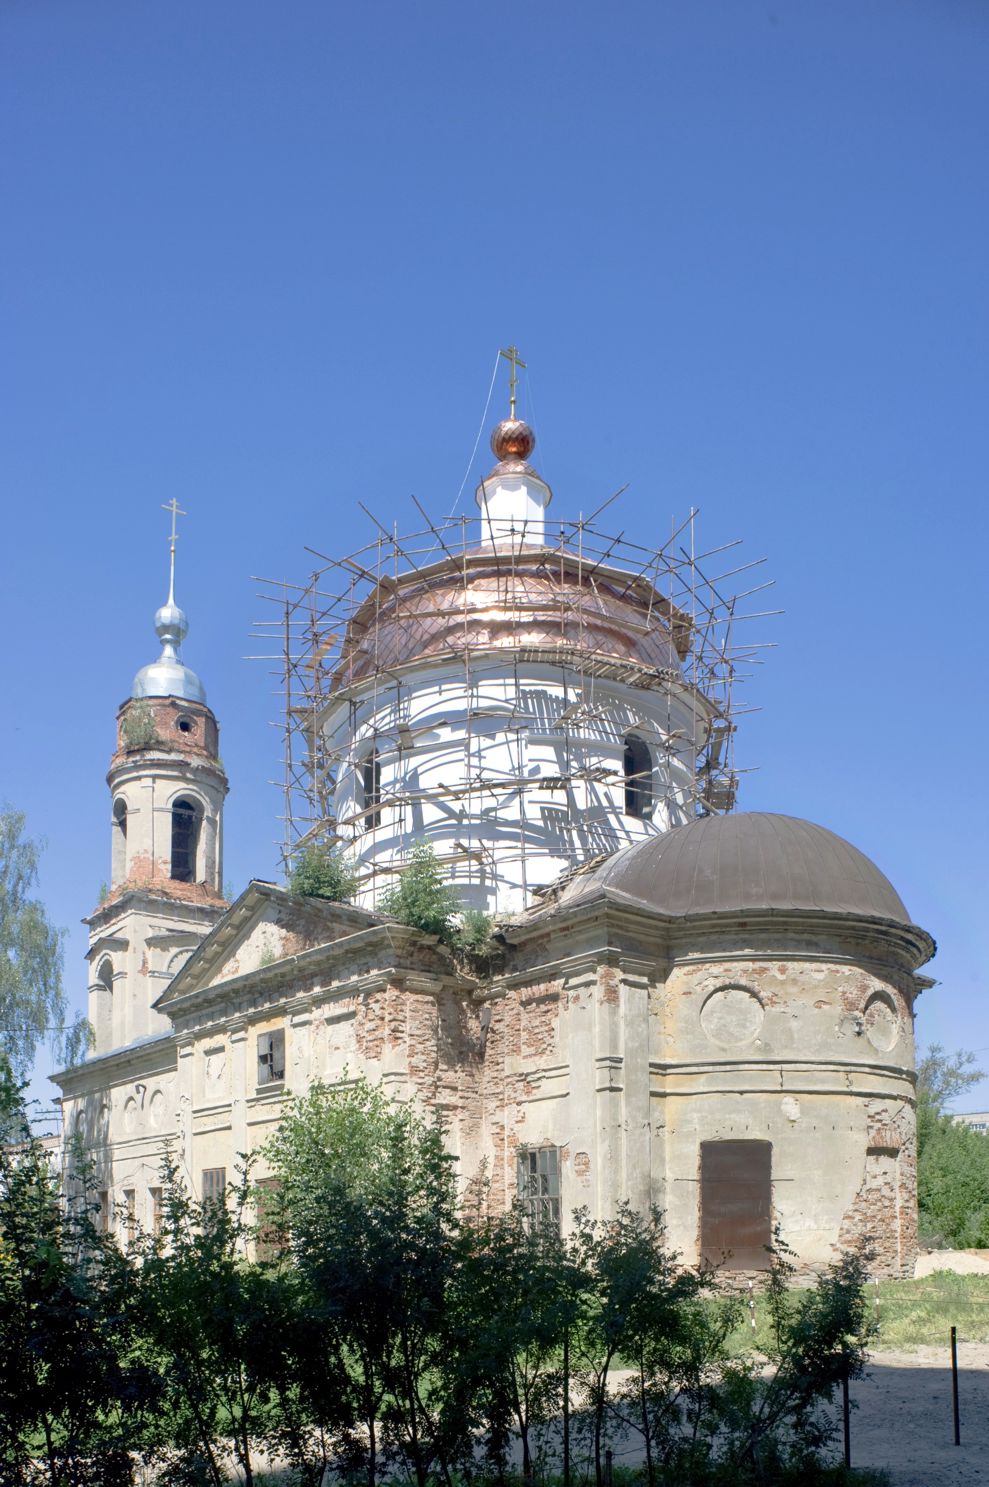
330 637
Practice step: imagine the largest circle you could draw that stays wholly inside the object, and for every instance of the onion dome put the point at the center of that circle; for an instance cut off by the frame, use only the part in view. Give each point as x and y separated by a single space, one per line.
168 677
512 441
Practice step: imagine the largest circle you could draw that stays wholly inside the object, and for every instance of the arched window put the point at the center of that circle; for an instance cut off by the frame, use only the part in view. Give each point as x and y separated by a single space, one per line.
185 840
638 778
102 1007
370 790
119 857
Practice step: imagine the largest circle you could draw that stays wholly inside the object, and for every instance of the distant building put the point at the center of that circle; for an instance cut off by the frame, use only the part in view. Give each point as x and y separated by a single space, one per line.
976 1120
693 1007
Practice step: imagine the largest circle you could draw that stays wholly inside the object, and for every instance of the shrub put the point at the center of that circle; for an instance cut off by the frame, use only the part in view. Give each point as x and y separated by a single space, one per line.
322 872
469 930
420 898
138 729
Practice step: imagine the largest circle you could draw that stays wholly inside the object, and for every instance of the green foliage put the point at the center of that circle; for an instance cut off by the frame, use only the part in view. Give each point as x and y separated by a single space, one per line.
215 1327
942 1077
75 1395
953 1185
366 1195
915 1313
32 1001
952 1159
469 931
138 729
319 872
421 898
383 1334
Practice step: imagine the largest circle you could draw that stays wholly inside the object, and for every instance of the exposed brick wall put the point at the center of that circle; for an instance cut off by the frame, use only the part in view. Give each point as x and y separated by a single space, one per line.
883 1214
201 742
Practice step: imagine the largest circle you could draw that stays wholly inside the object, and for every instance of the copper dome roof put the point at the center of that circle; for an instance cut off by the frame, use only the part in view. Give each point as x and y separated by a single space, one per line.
746 862
542 599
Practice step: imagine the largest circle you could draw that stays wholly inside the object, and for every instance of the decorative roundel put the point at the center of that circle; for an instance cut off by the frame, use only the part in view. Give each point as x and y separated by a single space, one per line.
732 1015
882 1023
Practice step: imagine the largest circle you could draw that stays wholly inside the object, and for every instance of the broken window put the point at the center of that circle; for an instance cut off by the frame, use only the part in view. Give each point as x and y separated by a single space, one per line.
539 1186
157 1209
214 1184
736 1203
637 767
103 1216
371 790
185 840
130 1211
271 1240
271 1057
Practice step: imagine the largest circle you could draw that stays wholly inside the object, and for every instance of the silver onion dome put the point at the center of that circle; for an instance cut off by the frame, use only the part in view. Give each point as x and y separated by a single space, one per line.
168 677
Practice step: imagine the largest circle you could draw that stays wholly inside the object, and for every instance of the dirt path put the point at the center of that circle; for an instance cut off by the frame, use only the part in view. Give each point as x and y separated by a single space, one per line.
904 1422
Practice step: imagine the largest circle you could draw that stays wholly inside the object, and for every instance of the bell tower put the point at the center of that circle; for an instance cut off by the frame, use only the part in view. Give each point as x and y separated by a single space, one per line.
167 787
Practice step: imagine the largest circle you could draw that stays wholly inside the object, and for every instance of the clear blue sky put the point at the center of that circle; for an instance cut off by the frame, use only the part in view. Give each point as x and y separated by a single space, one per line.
261 257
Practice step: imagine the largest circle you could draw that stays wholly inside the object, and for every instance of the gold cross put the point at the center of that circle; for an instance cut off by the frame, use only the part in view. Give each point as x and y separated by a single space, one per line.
513 358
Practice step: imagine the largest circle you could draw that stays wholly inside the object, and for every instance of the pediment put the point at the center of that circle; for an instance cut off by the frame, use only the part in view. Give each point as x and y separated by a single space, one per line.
265 925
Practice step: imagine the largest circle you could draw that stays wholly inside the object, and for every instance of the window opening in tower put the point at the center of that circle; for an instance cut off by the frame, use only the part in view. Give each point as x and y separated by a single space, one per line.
185 831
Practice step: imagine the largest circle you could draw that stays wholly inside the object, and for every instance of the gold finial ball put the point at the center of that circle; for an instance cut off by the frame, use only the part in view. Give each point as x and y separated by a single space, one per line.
513 440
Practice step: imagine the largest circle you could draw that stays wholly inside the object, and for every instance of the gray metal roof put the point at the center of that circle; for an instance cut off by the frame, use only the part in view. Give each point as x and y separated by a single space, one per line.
746 861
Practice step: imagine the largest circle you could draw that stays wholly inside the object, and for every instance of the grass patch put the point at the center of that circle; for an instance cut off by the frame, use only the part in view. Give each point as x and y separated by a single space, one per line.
910 1313
913 1313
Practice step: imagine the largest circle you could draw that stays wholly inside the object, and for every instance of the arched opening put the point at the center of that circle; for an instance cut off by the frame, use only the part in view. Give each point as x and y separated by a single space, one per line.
103 1011
638 778
370 790
185 840
119 855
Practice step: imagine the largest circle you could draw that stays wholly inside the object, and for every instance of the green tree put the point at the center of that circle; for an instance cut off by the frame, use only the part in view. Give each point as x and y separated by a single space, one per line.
512 1307
366 1197
211 1320
76 1397
769 1418
952 1160
421 898
953 1185
32 1001
322 872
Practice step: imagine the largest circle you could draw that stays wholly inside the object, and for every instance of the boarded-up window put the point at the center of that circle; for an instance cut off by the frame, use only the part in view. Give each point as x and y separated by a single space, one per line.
736 1203
539 1186
103 1215
130 1211
214 1184
271 1057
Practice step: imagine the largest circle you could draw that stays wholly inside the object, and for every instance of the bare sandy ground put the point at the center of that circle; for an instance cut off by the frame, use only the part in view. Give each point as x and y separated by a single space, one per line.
904 1424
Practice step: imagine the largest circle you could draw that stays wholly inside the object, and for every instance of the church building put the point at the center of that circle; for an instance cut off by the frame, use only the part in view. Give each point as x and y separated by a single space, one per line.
690 1006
